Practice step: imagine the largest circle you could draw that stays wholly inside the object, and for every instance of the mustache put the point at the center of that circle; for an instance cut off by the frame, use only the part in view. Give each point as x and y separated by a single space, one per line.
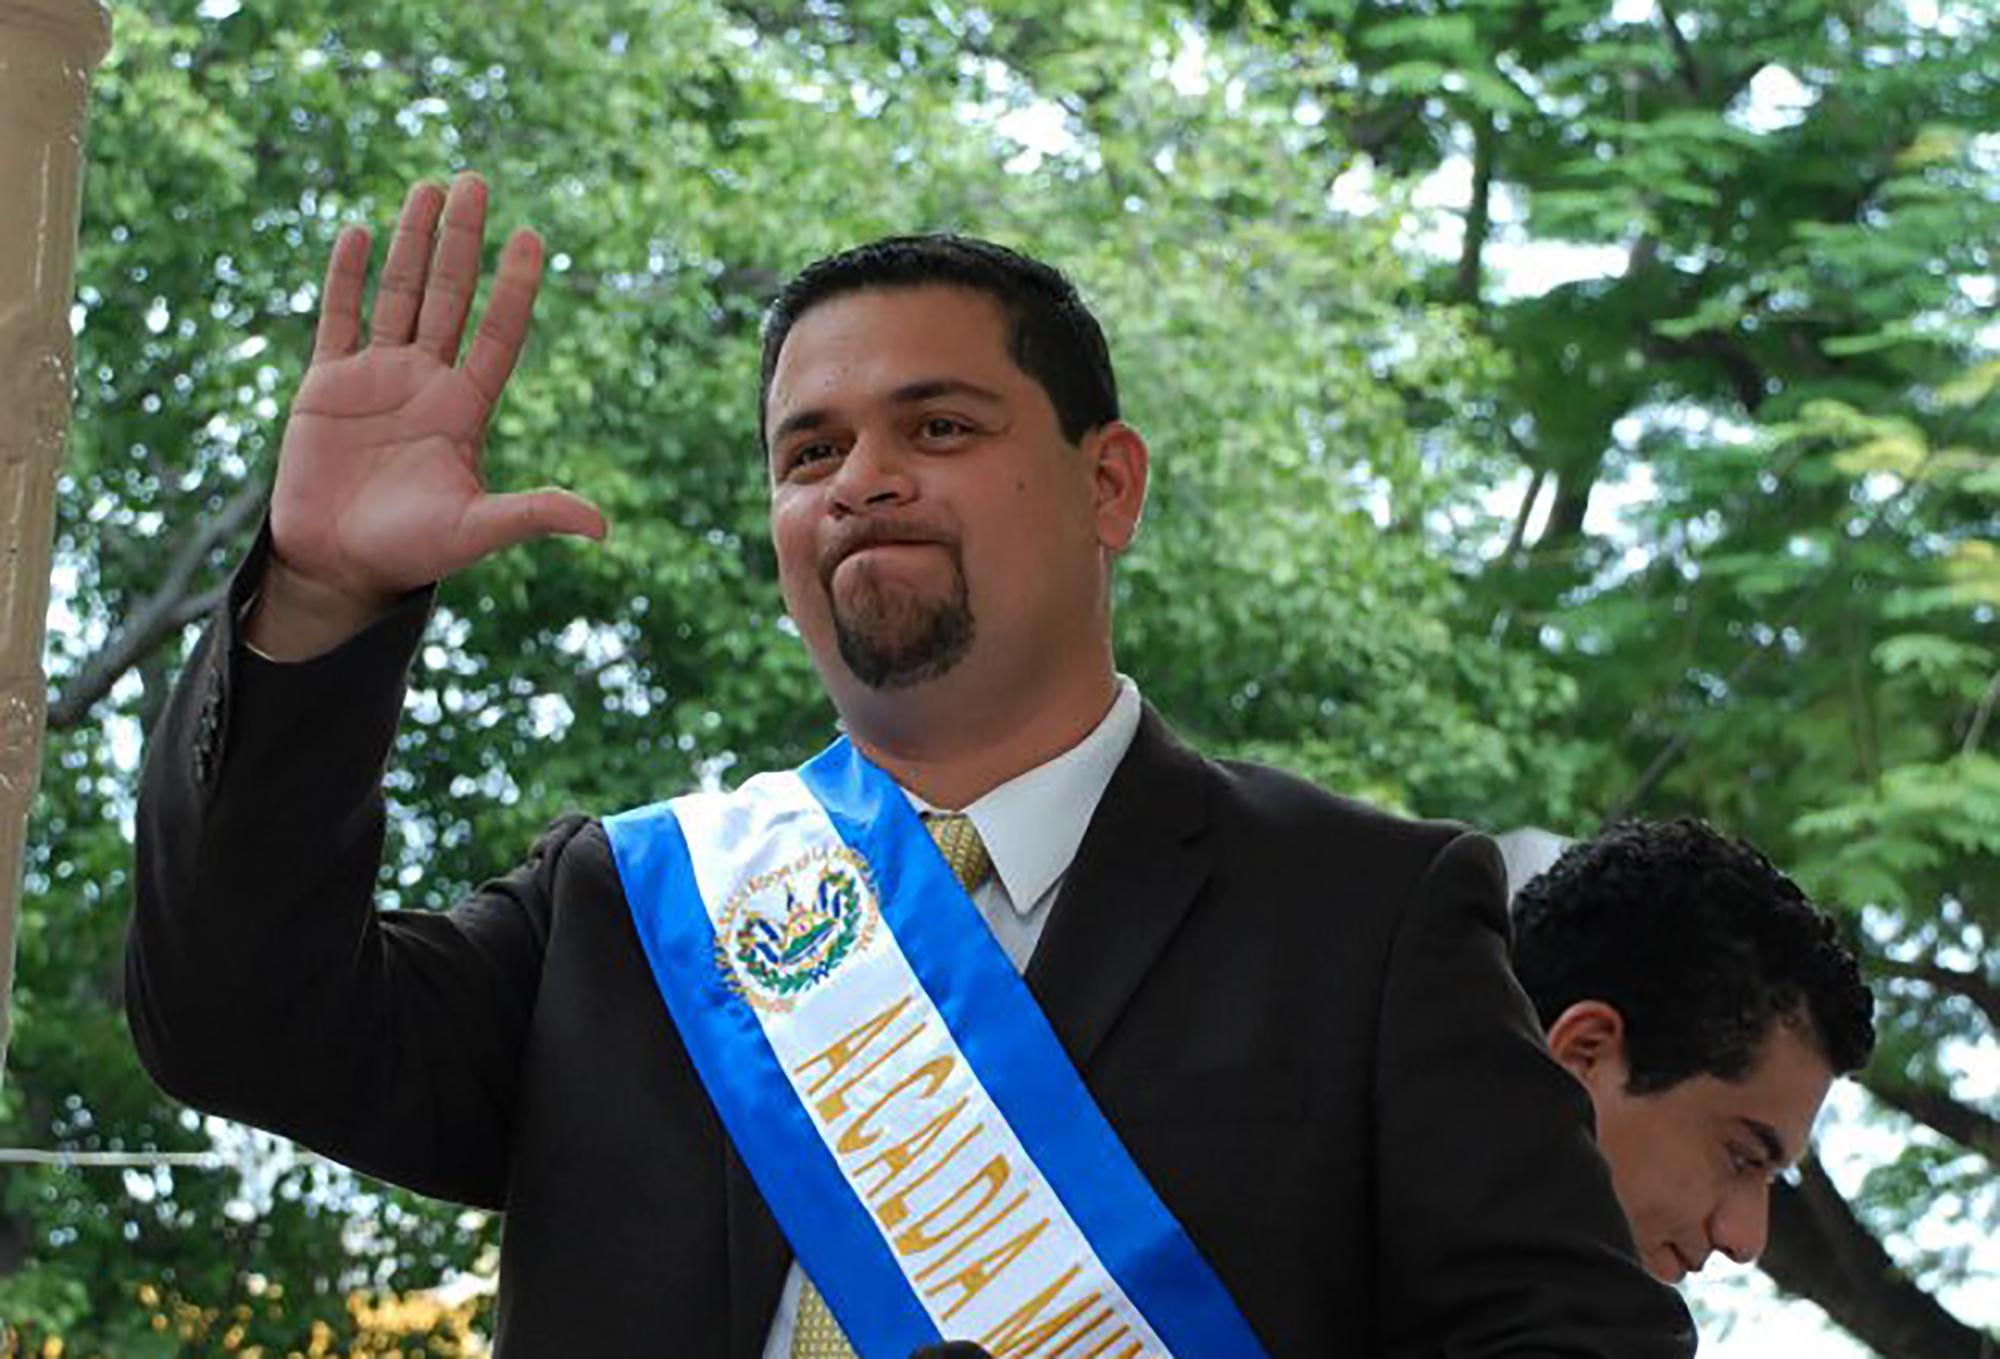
858 535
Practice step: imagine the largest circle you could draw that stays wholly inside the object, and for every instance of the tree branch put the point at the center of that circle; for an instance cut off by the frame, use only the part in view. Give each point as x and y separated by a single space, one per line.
1373 132
1820 1250
1971 1128
1745 376
15 1235
1570 504
1976 733
1479 212
1746 665
1690 69
1861 710
169 608
1518 536
1671 754
1971 985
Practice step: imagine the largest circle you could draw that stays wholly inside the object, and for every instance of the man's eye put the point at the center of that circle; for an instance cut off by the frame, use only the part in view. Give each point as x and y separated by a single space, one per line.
1746 1162
944 427
807 454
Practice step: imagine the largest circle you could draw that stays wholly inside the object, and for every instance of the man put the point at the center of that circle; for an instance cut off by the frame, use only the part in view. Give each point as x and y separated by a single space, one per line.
1268 1086
1706 1007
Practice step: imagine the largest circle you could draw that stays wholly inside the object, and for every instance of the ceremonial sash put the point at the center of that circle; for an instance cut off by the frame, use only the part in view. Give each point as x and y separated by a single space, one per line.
897 1094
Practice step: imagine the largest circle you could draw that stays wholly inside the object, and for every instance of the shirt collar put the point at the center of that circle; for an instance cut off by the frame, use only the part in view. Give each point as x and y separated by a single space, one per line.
1032 824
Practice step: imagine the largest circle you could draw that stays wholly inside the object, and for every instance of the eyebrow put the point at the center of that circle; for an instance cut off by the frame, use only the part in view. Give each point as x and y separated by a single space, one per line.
1773 1144
923 389
926 388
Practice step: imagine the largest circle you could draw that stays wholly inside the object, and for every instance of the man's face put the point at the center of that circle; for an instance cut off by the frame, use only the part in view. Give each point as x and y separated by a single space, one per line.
926 509
1693 1164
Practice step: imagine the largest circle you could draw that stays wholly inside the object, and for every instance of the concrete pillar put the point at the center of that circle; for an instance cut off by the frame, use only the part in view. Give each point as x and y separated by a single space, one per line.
48 49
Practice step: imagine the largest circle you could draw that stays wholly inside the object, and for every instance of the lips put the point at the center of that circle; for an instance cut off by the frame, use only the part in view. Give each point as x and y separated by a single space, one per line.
901 545
883 553
869 535
1683 1263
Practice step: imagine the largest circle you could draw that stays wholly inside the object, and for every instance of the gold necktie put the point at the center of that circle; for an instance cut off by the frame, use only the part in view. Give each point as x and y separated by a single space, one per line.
815 1334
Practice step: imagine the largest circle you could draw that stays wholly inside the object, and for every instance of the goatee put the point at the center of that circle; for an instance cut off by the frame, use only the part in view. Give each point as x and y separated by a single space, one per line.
892 638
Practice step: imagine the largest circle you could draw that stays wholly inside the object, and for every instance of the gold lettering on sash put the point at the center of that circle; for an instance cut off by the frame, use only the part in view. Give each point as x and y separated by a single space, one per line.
1016 1335
896 1207
849 1046
958 1247
1025 1333
857 1137
977 1276
834 1103
1076 1337
921 1236
899 1156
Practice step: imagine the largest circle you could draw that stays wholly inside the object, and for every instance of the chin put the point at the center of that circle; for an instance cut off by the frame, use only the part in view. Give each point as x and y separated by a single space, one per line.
900 642
889 659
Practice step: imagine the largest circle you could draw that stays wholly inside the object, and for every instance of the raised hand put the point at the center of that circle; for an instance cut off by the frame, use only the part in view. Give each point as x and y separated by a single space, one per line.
379 487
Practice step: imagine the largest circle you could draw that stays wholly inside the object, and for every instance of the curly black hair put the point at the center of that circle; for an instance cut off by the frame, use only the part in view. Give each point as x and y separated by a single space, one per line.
1698 942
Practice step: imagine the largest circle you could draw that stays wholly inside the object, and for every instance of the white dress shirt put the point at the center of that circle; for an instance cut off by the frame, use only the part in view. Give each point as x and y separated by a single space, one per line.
1031 826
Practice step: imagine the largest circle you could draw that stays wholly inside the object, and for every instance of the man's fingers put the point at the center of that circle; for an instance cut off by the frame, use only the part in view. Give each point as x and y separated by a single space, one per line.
454 275
503 329
401 289
340 300
498 521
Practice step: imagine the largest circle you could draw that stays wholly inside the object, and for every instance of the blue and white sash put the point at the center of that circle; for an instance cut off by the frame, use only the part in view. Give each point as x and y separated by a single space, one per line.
900 1099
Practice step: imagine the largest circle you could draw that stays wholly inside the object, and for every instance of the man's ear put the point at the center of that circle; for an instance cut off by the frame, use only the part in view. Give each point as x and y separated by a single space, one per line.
1119 466
1588 1039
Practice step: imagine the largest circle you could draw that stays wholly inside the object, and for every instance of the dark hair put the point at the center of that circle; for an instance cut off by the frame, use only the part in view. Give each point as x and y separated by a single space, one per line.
1698 942
1052 336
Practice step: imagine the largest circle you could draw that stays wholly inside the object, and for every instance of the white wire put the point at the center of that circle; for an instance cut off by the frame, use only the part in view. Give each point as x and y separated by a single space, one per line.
196 1160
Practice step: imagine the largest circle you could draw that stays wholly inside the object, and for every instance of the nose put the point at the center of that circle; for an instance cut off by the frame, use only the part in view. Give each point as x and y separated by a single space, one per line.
1742 1222
875 473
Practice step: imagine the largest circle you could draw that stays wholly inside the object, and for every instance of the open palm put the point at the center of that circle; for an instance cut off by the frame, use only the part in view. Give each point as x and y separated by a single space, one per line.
379 485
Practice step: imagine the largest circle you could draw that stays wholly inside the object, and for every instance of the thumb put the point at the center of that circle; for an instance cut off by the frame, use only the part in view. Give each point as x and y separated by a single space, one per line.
494 522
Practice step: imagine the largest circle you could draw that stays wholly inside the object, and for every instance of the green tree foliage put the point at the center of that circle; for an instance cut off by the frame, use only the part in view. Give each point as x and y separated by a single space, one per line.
1787 380
1289 596
1792 632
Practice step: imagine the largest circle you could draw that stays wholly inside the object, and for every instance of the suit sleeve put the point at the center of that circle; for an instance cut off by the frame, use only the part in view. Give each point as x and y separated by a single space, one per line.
1499 1231
261 981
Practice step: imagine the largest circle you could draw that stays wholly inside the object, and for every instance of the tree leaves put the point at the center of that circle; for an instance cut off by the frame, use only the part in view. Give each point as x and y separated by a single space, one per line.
1768 433
1767 562
1286 597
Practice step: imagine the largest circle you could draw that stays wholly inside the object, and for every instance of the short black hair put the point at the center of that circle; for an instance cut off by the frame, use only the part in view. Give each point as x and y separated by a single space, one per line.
1698 942
1052 335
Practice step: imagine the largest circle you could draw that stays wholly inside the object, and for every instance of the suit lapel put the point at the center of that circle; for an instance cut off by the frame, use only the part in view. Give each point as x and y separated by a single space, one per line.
1139 868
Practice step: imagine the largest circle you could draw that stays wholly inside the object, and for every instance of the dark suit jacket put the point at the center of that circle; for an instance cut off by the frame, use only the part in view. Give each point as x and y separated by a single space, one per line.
1296 1011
